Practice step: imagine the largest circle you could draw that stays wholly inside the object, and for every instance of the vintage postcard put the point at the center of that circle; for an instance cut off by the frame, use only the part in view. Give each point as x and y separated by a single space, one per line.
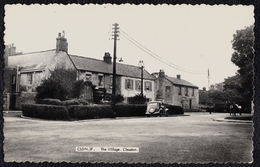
128 83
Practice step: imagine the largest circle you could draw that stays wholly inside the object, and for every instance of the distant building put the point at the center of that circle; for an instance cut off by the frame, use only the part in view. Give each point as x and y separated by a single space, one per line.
176 91
204 100
33 68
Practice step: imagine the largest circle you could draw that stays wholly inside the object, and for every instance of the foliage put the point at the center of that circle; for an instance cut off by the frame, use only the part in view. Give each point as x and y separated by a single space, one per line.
119 98
49 101
90 111
76 88
58 86
137 99
45 111
242 57
128 110
238 89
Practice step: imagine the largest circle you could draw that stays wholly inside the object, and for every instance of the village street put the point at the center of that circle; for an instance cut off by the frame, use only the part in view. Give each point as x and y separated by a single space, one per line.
193 137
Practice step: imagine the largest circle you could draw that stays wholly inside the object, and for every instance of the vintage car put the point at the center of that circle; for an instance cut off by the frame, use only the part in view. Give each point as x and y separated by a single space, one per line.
156 108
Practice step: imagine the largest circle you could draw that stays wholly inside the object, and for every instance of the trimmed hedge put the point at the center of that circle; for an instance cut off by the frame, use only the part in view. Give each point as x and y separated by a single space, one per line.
128 110
90 111
174 109
45 111
49 101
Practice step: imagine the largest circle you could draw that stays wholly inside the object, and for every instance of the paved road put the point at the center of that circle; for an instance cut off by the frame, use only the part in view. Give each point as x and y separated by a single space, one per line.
195 138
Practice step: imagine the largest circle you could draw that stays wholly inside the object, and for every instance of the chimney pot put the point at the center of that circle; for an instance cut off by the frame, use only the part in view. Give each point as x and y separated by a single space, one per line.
107 58
61 44
179 76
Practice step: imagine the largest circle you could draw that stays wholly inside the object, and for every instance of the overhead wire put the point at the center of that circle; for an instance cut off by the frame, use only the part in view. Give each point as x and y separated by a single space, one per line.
149 52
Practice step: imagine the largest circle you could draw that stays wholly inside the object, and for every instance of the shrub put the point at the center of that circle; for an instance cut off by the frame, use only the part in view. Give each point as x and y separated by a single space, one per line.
126 110
90 111
77 88
137 99
49 101
174 109
58 86
119 98
45 111
70 102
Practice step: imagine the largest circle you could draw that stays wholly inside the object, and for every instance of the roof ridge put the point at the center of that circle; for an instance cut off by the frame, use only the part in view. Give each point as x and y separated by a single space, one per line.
101 60
34 52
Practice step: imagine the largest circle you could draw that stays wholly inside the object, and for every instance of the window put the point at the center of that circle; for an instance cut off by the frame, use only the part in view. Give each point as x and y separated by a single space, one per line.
13 79
110 82
100 80
168 89
179 90
88 77
192 91
148 86
30 78
138 85
129 84
186 91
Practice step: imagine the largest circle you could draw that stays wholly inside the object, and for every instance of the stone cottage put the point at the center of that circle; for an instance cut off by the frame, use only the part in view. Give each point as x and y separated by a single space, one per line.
33 68
176 91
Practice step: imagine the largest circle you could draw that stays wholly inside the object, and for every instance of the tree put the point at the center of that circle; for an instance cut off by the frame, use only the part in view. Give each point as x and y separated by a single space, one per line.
242 57
58 86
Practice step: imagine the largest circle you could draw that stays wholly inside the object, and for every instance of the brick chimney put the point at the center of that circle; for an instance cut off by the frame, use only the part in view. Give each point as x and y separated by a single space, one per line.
178 76
12 50
161 73
107 58
61 43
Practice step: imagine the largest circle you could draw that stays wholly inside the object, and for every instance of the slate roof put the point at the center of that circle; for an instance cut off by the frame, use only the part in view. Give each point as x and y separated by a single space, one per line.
39 60
183 82
95 65
31 61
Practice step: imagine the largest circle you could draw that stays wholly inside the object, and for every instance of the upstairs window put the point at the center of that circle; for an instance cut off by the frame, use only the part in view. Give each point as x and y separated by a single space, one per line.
88 77
168 89
129 84
179 90
148 86
30 78
110 82
138 85
192 91
100 80
13 79
186 91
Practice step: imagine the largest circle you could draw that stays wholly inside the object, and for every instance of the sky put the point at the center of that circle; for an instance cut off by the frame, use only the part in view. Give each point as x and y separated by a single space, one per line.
180 39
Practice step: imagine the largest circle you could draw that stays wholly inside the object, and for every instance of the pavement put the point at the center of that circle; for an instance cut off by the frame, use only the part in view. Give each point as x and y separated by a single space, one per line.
189 138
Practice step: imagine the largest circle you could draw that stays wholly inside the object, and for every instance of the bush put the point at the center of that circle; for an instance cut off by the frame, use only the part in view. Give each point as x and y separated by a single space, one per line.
58 86
70 102
49 101
119 98
90 111
174 109
77 87
45 111
128 110
137 99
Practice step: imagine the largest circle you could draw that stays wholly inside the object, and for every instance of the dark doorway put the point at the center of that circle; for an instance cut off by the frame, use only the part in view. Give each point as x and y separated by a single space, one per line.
190 103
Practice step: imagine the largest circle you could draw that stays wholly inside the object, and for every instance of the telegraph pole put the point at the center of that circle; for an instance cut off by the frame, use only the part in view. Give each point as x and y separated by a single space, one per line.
115 35
208 80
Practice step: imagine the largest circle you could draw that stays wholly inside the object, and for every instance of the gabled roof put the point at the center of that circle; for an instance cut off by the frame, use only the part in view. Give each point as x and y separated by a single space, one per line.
34 60
95 65
180 82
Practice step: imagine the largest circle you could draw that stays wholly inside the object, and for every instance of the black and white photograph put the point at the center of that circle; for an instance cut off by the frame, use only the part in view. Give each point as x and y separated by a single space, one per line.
128 83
